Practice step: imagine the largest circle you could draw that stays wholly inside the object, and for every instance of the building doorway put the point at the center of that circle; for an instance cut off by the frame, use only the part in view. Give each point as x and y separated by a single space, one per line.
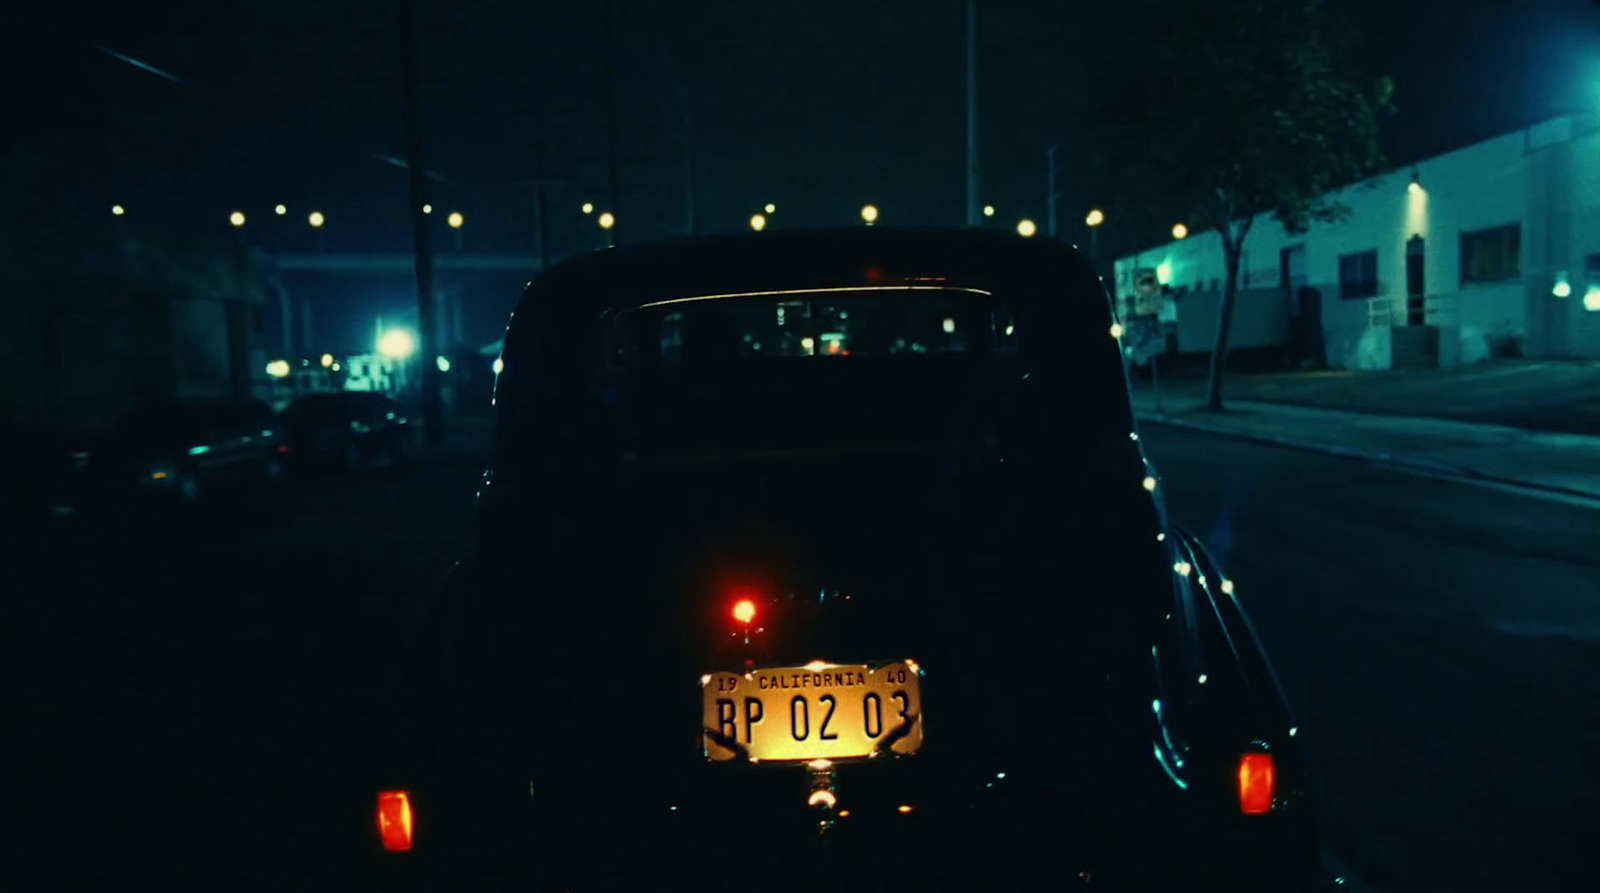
1416 284
1292 279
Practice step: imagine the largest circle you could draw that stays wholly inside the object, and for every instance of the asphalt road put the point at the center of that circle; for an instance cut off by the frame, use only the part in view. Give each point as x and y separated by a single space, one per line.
191 696
1441 642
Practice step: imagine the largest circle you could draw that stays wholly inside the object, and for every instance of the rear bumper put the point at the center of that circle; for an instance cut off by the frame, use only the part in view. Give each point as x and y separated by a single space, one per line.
751 829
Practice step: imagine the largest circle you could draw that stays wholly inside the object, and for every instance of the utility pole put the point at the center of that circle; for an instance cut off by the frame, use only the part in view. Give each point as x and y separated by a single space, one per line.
285 302
457 329
433 408
286 318
308 345
1050 191
974 202
611 121
690 175
538 198
444 300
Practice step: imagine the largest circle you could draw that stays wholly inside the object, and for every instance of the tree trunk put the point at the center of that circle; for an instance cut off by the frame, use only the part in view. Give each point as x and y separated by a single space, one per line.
1219 351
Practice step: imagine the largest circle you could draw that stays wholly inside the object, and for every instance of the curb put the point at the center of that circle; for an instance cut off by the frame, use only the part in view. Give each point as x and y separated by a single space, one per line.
1425 466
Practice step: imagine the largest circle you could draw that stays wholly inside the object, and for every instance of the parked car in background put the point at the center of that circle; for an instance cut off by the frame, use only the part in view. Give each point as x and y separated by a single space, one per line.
179 451
347 429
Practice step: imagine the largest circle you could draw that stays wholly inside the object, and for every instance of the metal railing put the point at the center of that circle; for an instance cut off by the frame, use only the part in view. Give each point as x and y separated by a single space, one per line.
1412 310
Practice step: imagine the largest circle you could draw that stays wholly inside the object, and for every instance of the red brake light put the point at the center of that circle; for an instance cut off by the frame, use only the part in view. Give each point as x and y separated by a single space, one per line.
283 448
394 820
1255 783
744 610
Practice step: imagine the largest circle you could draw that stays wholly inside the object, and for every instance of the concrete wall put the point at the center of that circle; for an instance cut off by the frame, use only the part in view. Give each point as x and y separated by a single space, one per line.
1544 179
1577 317
201 349
74 356
95 316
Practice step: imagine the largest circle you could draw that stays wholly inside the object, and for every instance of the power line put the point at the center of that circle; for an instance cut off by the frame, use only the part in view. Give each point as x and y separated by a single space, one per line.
143 66
217 98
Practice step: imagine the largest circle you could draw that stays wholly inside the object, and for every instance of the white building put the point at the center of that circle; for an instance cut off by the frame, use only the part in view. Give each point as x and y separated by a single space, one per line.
1491 250
370 372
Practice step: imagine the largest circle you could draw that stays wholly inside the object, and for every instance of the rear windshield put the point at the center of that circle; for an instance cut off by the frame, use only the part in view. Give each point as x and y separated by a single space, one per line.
805 325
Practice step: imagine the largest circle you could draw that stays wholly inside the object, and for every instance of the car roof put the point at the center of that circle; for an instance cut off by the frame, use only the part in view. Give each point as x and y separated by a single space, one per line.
802 259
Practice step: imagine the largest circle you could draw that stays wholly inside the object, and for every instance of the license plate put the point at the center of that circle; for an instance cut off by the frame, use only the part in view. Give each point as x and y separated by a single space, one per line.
818 711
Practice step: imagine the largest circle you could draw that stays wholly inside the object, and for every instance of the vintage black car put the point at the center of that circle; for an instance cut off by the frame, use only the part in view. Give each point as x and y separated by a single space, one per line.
178 452
832 561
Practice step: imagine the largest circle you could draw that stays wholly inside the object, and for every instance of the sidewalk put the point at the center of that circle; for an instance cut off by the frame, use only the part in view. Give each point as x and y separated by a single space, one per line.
1542 395
1567 464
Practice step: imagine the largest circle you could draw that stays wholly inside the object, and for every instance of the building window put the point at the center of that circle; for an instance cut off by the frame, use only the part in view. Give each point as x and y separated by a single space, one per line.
1492 255
1358 275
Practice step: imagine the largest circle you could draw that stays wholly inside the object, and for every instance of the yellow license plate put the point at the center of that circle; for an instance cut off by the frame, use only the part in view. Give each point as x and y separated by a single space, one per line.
818 711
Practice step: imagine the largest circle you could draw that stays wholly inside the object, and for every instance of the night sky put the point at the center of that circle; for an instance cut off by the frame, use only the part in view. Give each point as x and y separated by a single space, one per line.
817 106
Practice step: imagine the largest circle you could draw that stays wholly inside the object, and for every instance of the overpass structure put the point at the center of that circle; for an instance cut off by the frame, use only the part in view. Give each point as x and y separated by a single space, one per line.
404 263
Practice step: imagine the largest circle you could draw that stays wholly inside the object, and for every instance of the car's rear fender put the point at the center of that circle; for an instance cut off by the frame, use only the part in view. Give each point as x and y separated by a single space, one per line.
1219 699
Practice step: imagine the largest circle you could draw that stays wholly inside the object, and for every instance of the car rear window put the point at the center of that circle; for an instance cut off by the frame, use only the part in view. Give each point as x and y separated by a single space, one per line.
811 324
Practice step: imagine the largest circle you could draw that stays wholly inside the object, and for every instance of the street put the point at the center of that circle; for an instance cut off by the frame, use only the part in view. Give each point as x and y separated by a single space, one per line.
1440 642
197 695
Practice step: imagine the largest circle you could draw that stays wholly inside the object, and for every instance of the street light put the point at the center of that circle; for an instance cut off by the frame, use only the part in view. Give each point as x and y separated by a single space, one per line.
316 219
427 209
1026 228
278 368
771 208
443 363
988 210
327 361
869 213
396 344
758 222
607 220
1095 218
588 207
117 211
236 218
455 220
1180 232
280 210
